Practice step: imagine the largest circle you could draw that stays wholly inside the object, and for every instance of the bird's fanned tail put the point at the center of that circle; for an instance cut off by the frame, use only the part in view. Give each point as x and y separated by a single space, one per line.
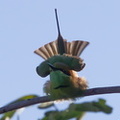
73 48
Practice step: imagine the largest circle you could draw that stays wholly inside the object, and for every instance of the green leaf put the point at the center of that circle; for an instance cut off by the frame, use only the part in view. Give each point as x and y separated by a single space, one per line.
8 115
11 113
62 115
78 110
99 106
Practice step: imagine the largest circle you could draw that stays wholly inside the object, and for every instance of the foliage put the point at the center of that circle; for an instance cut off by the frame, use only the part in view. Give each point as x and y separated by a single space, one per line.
73 111
9 115
78 110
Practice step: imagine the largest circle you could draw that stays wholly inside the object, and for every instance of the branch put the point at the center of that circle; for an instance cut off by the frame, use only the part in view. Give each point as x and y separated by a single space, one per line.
28 102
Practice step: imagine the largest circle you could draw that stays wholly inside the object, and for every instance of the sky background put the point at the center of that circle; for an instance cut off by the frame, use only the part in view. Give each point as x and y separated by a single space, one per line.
26 25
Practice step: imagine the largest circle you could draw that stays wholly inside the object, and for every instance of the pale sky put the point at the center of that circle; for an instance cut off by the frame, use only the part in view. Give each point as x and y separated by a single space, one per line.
25 25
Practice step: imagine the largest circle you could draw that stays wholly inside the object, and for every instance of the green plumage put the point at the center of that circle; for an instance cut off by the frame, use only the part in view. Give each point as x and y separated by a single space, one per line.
61 86
68 62
62 62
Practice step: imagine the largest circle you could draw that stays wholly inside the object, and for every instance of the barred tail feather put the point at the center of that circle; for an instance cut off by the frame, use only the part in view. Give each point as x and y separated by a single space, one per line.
47 50
74 48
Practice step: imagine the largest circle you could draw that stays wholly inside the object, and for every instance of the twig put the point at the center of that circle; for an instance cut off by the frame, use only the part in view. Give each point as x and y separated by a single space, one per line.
102 90
89 92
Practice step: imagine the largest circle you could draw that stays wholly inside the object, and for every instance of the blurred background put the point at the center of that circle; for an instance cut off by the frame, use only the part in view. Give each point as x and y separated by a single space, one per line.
26 25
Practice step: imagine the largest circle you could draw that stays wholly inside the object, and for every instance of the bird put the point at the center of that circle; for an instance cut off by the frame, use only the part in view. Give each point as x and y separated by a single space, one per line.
62 62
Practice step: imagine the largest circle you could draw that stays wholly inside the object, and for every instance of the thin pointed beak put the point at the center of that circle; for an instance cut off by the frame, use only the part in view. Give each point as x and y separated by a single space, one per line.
83 66
52 67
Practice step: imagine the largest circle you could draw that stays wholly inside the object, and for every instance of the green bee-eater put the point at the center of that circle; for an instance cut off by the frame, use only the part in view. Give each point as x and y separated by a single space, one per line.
62 62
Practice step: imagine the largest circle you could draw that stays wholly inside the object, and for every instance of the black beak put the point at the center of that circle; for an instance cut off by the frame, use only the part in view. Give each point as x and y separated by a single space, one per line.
52 67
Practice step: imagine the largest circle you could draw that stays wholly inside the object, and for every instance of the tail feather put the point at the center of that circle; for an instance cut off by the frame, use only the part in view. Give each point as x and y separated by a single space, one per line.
74 48
47 50
54 48
42 52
